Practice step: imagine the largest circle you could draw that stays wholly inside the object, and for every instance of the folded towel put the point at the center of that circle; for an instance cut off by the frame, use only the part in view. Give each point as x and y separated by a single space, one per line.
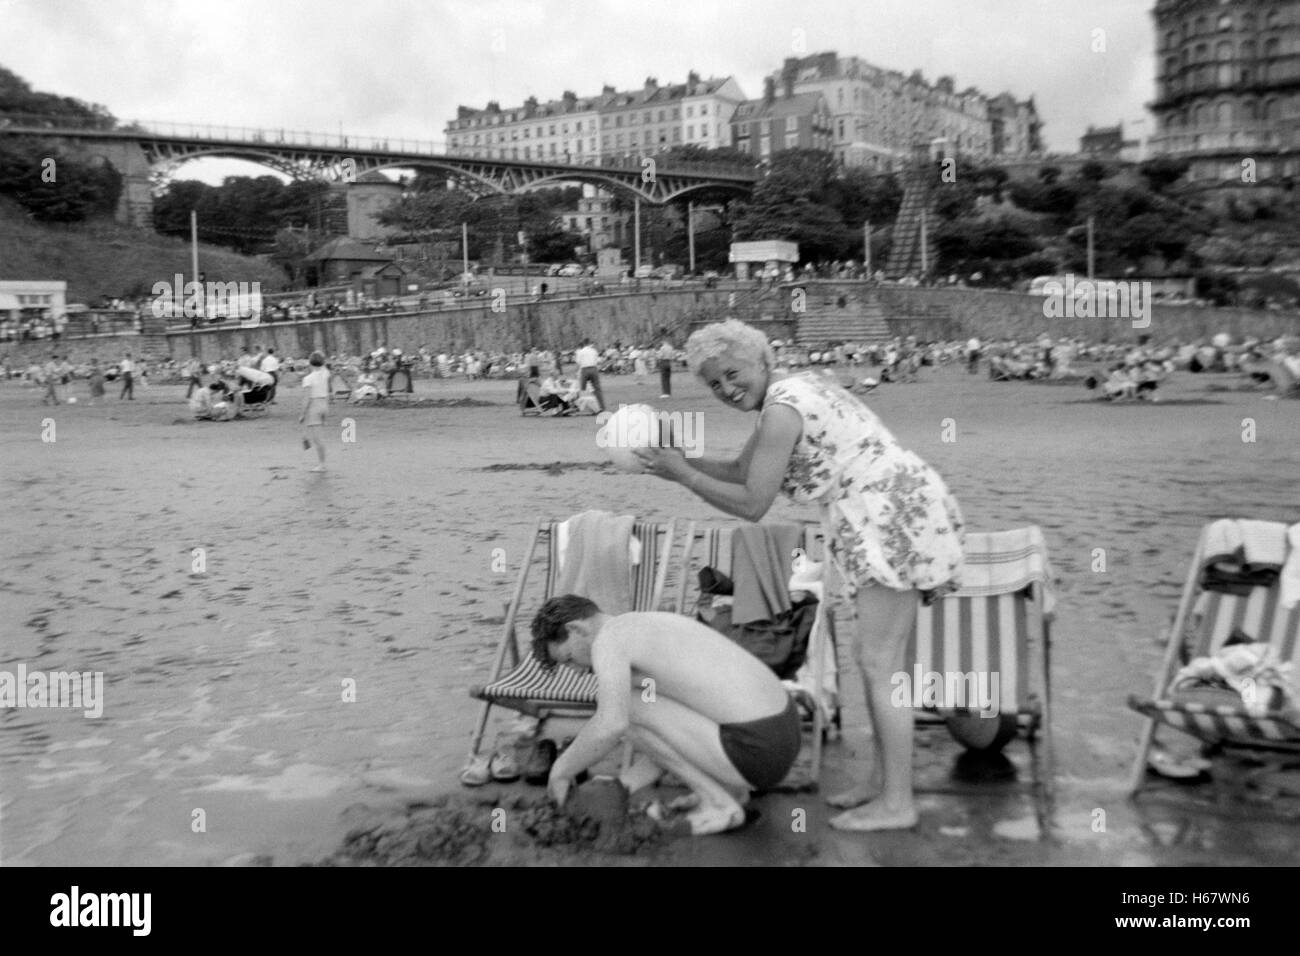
1003 562
1242 555
1290 594
760 567
596 560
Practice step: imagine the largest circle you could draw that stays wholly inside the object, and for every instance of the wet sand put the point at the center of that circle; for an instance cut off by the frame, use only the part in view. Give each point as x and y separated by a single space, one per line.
225 686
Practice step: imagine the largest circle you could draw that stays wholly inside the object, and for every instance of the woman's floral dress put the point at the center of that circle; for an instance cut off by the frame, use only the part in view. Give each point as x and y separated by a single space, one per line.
888 516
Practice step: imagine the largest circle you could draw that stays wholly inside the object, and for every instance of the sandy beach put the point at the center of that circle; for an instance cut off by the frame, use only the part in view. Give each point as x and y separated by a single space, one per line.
223 686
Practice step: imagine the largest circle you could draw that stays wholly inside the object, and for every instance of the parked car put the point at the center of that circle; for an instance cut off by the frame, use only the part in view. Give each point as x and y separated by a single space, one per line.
553 270
645 272
572 270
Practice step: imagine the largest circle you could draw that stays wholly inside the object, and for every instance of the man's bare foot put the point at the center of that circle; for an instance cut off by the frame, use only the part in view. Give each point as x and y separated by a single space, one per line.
690 801
711 819
876 815
855 796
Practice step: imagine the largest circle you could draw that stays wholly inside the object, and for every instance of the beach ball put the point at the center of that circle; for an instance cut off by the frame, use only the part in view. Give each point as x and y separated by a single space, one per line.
631 427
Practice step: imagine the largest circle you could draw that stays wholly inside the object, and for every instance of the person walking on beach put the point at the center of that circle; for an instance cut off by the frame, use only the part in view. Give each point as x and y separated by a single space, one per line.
588 360
666 355
96 381
127 368
50 376
315 403
271 365
892 530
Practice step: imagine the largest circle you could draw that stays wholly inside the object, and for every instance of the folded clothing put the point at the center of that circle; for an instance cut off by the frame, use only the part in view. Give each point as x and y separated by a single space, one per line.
1243 555
1262 683
761 556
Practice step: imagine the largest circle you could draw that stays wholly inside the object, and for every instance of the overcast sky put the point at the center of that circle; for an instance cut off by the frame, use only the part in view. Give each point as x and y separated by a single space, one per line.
399 68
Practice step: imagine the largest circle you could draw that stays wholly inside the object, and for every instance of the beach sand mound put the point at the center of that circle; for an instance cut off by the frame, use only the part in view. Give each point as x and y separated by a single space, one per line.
483 829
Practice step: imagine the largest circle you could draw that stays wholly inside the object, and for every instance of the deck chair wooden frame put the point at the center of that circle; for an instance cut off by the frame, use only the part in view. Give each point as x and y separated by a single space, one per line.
1261 615
714 544
517 680
1002 629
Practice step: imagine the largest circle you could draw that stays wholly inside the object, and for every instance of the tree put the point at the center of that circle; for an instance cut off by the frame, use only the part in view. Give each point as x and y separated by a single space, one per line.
54 185
1163 171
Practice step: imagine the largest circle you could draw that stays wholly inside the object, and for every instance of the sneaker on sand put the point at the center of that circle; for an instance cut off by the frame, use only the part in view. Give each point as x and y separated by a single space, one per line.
540 761
504 767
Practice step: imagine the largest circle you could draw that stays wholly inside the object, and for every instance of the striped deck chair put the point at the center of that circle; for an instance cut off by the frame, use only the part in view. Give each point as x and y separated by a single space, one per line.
992 637
713 545
1209 617
562 691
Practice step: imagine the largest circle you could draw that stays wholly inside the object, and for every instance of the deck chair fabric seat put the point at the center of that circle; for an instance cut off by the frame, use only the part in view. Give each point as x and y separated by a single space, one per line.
992 625
530 681
1205 622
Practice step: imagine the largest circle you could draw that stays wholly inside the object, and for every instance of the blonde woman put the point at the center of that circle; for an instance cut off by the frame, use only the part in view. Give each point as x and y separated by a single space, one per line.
893 530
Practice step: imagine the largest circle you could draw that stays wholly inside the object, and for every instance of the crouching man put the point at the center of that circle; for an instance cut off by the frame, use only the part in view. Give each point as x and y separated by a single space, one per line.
690 701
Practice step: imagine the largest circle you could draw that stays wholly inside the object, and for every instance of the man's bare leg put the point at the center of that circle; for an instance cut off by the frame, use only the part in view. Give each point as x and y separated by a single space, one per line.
643 772
886 618
686 743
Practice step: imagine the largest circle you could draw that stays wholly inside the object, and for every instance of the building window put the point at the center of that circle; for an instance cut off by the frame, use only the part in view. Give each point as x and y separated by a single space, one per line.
677 113
765 147
552 129
1225 22
791 140
690 132
765 127
704 109
647 116
690 111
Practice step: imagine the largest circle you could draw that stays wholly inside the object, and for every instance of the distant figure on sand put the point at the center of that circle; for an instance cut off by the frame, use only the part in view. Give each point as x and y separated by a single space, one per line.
714 715
127 368
96 381
50 375
315 403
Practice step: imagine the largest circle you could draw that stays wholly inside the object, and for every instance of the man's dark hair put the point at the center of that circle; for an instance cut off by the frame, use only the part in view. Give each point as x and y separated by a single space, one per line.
551 623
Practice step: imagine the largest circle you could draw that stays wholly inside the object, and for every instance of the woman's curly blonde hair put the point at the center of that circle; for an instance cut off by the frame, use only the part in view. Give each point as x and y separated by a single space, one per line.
730 337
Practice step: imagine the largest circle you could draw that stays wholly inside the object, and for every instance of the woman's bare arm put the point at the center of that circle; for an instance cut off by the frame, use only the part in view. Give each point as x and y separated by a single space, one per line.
765 460
727 469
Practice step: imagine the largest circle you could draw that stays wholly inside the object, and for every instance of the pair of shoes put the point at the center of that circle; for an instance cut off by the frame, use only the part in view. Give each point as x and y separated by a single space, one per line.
538 768
503 767
477 772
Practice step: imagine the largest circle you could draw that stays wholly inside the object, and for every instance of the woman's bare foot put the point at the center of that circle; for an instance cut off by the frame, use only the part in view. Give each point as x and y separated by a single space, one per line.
876 815
855 796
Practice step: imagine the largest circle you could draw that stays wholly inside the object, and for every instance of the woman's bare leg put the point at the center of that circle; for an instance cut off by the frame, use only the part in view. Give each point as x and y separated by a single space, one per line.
885 620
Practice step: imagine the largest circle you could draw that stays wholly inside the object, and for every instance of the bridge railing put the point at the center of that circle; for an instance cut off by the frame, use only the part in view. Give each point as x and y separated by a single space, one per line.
250 135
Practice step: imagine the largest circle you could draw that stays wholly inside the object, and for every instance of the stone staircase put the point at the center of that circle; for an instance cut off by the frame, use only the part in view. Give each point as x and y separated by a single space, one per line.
856 321
905 256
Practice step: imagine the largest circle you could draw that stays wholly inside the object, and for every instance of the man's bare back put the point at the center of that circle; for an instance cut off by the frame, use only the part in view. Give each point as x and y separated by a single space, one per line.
691 663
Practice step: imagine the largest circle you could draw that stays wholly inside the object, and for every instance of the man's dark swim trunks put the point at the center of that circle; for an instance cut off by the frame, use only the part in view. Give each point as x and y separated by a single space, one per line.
763 750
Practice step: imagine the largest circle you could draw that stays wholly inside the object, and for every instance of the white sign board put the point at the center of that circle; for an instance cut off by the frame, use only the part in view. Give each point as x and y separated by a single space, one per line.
767 250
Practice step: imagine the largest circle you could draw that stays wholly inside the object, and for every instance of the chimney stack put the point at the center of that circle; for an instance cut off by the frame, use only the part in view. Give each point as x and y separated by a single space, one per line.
769 90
